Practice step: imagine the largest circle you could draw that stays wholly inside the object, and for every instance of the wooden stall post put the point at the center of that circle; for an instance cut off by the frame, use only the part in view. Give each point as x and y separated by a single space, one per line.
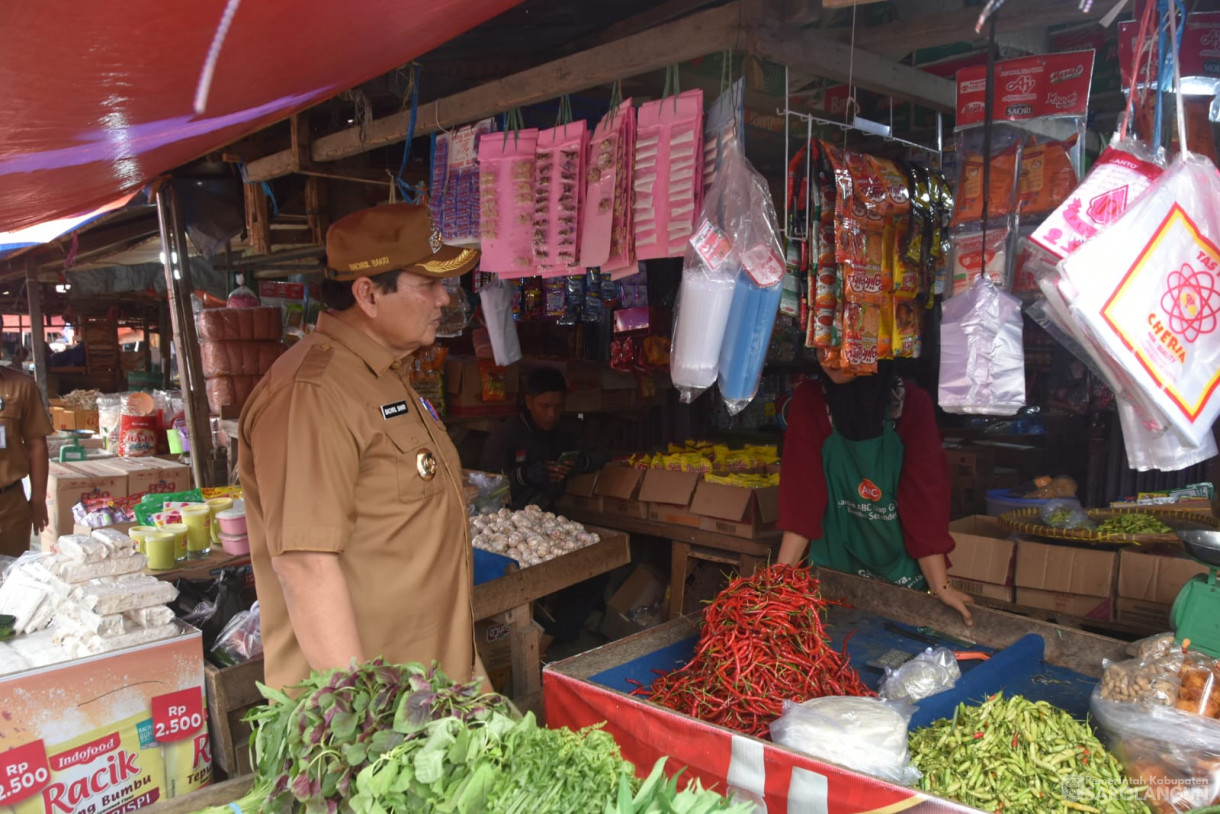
190 365
33 295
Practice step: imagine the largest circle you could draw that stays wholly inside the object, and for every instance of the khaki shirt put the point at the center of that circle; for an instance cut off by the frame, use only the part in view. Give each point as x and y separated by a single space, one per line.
22 418
334 456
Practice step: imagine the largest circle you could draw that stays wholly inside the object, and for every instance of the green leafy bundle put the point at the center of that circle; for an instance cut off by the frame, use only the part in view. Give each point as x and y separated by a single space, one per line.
308 750
500 766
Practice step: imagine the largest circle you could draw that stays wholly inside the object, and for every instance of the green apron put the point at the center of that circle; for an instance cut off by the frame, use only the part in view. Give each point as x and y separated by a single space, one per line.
860 531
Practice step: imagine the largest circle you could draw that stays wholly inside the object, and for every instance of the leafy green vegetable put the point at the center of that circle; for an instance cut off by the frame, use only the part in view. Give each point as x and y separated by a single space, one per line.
308 750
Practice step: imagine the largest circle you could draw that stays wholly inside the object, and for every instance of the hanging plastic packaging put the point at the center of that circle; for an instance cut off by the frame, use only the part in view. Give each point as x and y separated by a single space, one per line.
668 174
737 236
1148 291
497 301
506 194
1120 176
982 360
1166 452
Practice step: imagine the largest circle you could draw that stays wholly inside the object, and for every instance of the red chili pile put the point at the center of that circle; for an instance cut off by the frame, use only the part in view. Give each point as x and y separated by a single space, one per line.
762 643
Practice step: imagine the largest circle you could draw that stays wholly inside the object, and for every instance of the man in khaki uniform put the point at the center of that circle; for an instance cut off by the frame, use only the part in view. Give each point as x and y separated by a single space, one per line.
358 529
24 428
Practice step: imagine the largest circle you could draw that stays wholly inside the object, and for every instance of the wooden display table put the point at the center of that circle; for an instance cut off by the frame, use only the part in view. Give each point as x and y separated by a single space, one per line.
205 568
231 691
688 544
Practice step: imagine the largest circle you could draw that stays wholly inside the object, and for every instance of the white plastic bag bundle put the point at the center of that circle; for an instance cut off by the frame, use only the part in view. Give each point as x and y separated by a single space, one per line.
930 672
1147 291
497 300
1166 452
982 360
866 735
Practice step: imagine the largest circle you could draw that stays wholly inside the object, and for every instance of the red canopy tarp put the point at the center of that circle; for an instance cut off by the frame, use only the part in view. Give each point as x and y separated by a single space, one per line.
99 97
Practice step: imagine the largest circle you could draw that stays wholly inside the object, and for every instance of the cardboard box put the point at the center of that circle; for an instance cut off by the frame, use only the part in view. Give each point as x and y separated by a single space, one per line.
982 560
578 494
145 475
232 692
1066 569
113 732
493 640
66 418
970 476
638 604
69 484
736 510
618 485
668 495
464 387
986 590
1154 579
1150 616
1091 607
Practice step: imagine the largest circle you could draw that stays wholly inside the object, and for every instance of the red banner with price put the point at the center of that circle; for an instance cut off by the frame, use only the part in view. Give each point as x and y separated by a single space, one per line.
23 772
178 715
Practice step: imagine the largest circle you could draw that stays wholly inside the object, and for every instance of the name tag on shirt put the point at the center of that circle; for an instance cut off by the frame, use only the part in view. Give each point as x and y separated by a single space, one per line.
3 437
393 410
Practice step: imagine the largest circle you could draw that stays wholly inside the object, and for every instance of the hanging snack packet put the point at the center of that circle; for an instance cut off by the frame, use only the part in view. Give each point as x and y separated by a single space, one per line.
1047 176
971 258
861 327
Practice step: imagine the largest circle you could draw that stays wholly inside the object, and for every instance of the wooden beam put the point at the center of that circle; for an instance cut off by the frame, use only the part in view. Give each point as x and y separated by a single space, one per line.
897 39
816 53
658 14
707 32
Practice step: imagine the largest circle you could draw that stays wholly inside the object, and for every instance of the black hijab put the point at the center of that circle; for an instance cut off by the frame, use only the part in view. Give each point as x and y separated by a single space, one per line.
859 407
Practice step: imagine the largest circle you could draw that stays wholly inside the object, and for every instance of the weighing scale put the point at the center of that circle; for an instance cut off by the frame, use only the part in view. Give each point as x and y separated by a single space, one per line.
1196 611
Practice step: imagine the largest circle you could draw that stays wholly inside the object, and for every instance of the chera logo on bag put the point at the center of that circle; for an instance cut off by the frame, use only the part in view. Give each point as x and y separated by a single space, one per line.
868 490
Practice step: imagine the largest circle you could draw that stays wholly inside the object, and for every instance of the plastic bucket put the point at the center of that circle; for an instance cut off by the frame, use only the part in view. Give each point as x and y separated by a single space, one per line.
1003 500
235 545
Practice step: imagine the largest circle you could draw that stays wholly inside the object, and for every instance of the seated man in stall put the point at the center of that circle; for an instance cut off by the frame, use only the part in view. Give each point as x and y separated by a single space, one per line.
537 450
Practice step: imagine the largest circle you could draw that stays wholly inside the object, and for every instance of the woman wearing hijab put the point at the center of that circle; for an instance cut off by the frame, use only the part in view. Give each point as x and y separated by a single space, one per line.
865 479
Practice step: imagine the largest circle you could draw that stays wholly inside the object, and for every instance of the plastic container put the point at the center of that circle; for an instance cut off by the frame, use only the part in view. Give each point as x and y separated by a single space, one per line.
232 522
1003 500
489 565
235 544
178 530
138 534
160 547
198 520
217 505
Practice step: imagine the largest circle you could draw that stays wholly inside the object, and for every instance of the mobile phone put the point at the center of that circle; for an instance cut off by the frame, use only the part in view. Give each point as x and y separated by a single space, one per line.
569 457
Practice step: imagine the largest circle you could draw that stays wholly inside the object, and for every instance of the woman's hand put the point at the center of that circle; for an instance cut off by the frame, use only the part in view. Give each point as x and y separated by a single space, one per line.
957 600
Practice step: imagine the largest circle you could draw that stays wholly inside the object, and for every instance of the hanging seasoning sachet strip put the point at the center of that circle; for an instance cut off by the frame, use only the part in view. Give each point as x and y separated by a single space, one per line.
506 190
607 238
668 177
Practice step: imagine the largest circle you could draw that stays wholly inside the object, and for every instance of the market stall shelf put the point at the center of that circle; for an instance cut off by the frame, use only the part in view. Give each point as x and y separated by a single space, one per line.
508 600
1054 663
690 543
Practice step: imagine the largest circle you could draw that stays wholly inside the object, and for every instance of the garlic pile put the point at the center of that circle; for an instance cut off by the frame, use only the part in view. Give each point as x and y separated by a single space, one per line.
530 536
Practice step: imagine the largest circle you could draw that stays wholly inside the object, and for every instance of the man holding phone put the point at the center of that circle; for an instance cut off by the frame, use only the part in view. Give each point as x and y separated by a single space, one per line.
536 450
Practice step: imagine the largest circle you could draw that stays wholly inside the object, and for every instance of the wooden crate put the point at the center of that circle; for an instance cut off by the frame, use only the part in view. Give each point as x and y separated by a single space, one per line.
231 693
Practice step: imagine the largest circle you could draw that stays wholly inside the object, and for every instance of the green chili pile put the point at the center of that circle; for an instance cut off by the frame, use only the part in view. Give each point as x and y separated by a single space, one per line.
1133 523
1016 756
763 642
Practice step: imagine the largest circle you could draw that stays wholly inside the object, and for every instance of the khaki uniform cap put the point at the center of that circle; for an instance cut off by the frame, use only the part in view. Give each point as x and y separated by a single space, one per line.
385 238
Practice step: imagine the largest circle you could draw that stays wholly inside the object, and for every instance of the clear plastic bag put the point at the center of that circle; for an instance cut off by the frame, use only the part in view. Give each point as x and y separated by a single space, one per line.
240 641
1175 754
1134 681
1064 513
982 359
866 735
1199 686
929 673
736 236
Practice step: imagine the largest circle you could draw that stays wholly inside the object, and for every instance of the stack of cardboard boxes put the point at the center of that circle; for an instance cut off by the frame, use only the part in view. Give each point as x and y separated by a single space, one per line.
680 498
108 478
1135 586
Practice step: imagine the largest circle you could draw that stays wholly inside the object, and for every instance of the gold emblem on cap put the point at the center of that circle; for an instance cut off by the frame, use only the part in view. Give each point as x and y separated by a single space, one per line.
425 465
442 266
434 241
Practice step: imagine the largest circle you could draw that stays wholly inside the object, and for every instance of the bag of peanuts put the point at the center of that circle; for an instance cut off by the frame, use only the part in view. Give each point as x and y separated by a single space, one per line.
1159 714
